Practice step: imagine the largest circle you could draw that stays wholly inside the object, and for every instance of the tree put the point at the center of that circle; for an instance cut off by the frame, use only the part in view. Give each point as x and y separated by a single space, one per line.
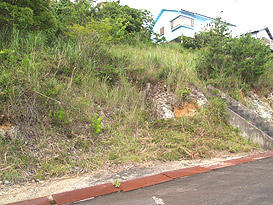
27 14
15 16
77 12
138 22
244 58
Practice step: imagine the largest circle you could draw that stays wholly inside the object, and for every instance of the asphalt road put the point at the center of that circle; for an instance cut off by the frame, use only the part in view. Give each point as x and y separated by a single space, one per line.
249 183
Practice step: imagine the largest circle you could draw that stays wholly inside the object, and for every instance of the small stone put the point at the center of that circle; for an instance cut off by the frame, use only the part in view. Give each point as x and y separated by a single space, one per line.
6 182
158 200
3 133
14 132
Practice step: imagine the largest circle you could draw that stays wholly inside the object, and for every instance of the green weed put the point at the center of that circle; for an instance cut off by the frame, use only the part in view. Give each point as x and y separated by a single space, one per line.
96 124
58 117
116 183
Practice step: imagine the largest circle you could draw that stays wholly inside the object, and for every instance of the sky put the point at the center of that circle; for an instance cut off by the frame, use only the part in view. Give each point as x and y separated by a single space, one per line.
245 14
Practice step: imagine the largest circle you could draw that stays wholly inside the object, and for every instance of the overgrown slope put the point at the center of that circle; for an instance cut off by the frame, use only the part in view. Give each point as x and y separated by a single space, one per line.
78 105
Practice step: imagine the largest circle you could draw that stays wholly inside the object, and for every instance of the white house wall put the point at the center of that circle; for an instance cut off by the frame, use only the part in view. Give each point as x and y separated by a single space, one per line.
164 20
171 34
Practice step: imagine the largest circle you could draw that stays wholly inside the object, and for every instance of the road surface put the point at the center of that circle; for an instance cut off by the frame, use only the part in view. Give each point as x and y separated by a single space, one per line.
248 183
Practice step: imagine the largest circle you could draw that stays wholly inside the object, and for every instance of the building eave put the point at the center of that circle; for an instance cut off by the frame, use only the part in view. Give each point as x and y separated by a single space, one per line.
162 11
266 30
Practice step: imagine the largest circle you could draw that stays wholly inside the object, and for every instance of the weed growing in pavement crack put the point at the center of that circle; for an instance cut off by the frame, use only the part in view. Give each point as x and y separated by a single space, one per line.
116 183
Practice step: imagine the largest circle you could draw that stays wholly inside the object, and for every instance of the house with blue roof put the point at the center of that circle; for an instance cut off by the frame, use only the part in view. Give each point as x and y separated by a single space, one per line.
174 23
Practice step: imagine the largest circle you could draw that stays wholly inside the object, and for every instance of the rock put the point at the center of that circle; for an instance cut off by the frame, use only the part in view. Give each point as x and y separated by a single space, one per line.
270 100
261 106
4 129
6 182
14 132
167 113
158 200
202 100
3 133
161 101
8 130
198 96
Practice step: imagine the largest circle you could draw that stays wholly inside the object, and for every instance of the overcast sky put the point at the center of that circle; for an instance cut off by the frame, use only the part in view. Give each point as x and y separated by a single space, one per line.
245 14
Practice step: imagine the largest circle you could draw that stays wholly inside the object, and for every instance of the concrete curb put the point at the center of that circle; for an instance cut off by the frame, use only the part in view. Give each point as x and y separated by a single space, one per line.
103 189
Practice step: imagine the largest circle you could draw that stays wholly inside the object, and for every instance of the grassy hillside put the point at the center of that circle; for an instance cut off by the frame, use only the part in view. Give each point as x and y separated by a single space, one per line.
77 105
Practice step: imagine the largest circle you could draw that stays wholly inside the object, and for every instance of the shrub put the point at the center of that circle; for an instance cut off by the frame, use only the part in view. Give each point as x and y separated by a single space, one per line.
15 16
29 15
245 58
250 58
188 42
104 31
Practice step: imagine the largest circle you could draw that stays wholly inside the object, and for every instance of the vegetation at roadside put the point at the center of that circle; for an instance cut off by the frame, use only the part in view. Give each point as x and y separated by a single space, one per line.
76 93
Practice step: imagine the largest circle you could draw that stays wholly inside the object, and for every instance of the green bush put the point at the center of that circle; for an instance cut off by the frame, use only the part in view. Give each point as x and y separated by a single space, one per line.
29 15
5 84
138 23
15 16
250 58
188 42
245 58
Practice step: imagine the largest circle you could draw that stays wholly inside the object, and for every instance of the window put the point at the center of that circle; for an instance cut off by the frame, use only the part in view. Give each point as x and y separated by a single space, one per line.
181 20
161 32
176 22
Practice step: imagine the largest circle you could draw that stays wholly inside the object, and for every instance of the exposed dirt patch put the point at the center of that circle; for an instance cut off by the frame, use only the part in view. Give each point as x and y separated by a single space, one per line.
6 126
185 110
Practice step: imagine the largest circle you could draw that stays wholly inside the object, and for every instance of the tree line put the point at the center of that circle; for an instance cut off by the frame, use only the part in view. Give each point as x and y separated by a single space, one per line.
56 17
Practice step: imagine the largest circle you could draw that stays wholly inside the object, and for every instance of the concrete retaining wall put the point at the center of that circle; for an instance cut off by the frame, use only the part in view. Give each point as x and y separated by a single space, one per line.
250 131
250 124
